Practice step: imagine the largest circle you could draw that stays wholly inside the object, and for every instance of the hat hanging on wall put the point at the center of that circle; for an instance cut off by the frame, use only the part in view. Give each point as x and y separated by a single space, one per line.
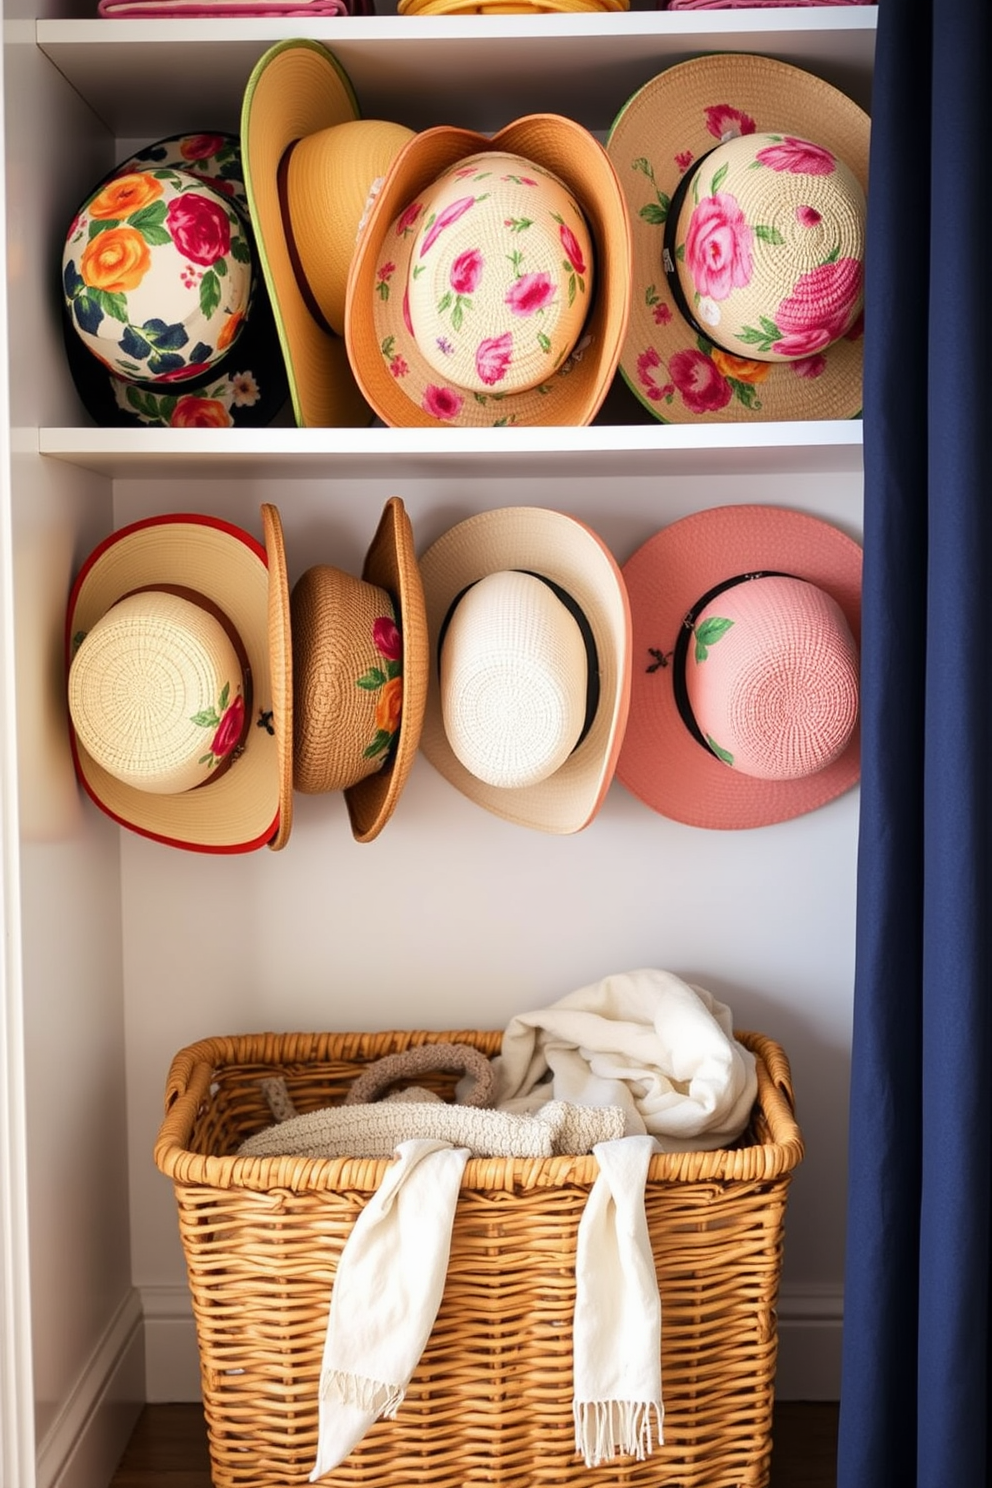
360 666
180 682
744 690
745 180
311 165
530 665
491 282
166 318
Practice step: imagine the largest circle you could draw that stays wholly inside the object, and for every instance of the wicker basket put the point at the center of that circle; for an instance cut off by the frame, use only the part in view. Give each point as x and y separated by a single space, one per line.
491 1399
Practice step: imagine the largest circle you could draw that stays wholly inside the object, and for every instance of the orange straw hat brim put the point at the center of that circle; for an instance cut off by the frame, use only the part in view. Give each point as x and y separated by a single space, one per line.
574 395
565 550
391 564
250 805
297 89
660 761
666 126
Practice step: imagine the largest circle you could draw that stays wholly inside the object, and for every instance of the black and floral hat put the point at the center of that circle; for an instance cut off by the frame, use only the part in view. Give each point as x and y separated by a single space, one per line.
166 318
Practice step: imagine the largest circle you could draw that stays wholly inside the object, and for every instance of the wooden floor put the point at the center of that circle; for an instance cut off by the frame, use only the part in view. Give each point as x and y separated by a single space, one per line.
169 1448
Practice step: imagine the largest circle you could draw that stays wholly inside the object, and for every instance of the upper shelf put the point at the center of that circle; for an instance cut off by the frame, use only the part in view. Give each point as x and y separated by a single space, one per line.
476 71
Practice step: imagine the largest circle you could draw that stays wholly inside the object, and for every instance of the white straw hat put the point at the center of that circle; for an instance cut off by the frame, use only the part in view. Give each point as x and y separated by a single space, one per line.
530 665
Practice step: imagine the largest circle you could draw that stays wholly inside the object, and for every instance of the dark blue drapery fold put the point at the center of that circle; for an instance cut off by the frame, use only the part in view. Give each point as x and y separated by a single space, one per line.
917 1361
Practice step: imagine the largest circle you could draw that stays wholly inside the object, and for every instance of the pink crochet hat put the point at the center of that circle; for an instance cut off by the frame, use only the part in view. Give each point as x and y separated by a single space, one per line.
744 693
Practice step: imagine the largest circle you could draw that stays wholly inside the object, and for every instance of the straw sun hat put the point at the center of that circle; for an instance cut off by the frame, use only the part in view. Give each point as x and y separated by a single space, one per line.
744 692
490 283
201 692
179 682
311 164
166 319
530 665
745 181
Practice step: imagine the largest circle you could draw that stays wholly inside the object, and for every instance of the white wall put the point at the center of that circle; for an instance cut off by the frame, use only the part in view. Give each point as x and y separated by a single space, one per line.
453 918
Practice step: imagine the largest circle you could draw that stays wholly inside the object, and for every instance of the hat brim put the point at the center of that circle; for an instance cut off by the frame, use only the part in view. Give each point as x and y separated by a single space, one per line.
563 549
391 564
574 394
660 761
672 121
296 89
240 810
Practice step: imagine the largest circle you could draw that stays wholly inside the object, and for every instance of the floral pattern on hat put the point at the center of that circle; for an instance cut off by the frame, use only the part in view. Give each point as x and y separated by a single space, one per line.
387 681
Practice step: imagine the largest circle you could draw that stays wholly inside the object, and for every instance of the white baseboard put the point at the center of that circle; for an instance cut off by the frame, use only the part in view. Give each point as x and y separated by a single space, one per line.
809 1331
84 1443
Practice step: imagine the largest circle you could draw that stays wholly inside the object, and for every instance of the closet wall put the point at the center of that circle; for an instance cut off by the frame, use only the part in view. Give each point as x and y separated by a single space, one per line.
118 952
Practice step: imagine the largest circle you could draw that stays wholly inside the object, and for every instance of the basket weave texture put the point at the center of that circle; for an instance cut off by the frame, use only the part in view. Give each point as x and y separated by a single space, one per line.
491 1399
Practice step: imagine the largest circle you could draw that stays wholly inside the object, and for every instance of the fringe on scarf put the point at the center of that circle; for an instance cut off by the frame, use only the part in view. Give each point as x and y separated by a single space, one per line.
371 1395
605 1428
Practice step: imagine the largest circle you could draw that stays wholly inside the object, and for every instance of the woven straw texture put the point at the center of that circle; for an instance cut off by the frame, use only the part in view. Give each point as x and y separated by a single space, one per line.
491 1399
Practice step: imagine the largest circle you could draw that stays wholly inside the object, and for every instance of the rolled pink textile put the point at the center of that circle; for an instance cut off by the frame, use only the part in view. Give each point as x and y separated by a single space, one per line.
159 9
750 4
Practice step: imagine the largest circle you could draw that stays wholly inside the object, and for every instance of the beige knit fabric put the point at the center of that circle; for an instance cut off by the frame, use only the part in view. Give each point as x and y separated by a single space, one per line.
375 1129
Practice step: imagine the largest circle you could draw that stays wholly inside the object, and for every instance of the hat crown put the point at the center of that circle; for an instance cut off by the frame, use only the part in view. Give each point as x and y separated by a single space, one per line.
769 247
772 677
156 692
513 680
500 277
347 679
157 275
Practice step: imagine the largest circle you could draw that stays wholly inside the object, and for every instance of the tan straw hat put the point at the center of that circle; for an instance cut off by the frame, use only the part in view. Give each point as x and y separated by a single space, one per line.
744 693
530 665
179 682
310 164
360 675
745 180
490 284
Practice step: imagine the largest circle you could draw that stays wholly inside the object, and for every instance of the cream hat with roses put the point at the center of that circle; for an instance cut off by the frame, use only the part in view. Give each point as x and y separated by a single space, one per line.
745 180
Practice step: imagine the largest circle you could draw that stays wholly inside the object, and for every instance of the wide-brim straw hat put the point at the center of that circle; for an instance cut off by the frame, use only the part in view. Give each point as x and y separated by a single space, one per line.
311 163
243 582
564 552
661 761
395 375
658 136
360 668
244 388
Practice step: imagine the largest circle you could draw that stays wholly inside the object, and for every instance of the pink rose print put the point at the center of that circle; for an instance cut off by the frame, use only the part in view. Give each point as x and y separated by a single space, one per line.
398 367
407 218
445 219
820 309
647 364
699 381
382 278
493 357
798 157
441 403
808 216
683 160
466 271
813 366
386 638
199 146
722 120
718 247
199 227
662 314
529 293
572 250
229 729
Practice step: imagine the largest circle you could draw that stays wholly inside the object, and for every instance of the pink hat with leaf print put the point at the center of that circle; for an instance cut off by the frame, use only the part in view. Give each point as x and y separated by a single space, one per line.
745 180
491 281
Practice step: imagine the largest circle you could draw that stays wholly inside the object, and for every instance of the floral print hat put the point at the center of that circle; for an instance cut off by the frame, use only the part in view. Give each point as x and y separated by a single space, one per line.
490 284
360 675
745 181
744 689
166 320
179 681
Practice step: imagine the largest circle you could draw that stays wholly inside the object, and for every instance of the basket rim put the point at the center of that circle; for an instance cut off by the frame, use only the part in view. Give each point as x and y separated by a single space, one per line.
193 1069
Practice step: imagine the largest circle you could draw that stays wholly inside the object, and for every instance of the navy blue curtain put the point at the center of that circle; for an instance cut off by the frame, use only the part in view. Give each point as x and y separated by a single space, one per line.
917 1357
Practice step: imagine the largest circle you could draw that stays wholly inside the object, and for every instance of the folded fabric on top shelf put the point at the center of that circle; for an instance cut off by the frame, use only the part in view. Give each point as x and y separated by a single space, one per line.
159 9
